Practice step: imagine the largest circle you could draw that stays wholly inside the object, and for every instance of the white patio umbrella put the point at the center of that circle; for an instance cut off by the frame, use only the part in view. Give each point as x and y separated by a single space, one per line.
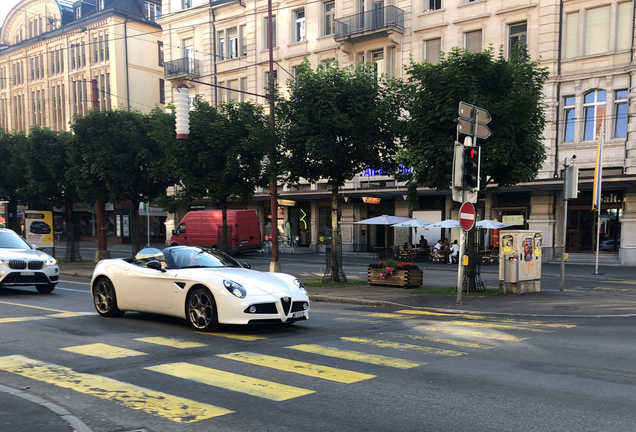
491 224
448 223
383 220
413 223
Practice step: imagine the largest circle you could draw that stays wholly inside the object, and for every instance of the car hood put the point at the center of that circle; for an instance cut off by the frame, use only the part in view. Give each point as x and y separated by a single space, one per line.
251 280
24 254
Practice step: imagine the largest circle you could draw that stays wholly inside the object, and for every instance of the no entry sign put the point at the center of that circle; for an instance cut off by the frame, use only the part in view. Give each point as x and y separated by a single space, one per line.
467 216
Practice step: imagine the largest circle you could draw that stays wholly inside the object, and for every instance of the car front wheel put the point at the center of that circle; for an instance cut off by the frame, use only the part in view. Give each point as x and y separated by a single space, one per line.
201 310
46 289
105 299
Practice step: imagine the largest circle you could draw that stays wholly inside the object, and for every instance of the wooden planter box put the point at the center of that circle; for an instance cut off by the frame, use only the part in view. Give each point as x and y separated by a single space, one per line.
400 278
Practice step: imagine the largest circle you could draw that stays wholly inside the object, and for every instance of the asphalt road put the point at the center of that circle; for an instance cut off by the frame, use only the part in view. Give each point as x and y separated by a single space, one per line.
349 368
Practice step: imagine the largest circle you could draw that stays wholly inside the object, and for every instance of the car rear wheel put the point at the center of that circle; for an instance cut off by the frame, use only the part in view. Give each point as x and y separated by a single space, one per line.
105 299
46 289
201 310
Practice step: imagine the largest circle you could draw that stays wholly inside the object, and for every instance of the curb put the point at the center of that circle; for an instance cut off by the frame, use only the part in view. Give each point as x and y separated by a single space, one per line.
73 421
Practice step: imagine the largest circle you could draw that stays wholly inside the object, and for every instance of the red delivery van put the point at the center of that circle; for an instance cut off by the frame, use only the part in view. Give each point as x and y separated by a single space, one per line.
205 228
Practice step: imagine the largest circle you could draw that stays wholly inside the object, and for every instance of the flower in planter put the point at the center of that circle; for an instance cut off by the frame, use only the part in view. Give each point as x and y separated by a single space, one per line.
393 265
387 272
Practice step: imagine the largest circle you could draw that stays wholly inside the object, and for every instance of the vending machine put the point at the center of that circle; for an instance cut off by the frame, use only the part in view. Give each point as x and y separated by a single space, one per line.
519 261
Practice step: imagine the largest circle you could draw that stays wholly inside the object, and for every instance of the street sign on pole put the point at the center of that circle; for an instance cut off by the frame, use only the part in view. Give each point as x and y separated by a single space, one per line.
473 120
467 216
482 131
483 116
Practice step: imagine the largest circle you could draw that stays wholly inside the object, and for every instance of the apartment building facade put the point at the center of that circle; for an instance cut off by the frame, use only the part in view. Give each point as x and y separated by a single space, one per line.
587 46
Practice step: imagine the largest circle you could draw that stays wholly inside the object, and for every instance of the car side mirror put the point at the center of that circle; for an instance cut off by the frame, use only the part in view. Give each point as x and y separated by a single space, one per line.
174 232
35 247
246 265
155 265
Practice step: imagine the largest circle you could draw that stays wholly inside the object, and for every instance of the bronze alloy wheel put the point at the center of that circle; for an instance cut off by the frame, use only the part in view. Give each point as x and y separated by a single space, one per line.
105 298
201 310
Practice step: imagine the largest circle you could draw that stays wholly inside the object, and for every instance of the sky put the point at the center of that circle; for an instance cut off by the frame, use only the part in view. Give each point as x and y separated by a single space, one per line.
5 7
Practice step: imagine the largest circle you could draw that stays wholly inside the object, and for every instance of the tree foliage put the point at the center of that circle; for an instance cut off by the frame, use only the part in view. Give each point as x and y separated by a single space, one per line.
511 91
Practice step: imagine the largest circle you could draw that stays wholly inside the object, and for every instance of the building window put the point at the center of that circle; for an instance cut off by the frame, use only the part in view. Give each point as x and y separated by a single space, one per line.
186 4
162 91
243 88
473 41
299 25
620 114
624 34
518 34
569 119
221 47
597 30
232 93
594 108
431 50
152 11
243 40
326 64
329 13
160 52
233 43
266 26
78 13
377 57
572 35
432 5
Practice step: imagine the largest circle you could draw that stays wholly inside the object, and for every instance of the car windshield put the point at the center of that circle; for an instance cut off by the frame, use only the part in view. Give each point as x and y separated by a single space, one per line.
186 257
12 241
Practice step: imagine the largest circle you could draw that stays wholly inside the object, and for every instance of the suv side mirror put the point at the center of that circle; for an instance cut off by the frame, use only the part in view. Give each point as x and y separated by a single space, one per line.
155 265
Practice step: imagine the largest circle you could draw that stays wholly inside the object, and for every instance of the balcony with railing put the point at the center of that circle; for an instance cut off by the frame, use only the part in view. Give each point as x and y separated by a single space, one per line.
186 67
369 25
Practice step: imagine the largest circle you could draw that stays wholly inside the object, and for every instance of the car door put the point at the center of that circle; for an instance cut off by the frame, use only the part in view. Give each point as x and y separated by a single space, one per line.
150 289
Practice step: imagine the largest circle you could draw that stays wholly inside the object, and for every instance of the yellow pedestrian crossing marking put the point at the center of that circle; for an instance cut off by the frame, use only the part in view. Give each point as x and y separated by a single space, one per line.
175 408
58 313
498 326
36 307
443 341
103 351
171 342
356 356
389 315
234 336
472 334
308 369
403 346
230 381
21 319
484 318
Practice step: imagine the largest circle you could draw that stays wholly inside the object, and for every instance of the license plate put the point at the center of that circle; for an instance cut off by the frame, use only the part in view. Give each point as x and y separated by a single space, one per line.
27 273
298 315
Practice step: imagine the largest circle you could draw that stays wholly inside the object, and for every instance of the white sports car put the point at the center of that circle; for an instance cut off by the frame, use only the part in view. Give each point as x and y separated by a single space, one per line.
21 264
204 286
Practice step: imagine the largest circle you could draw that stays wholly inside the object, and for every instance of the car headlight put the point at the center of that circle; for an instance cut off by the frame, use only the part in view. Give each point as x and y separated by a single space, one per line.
235 288
50 261
300 286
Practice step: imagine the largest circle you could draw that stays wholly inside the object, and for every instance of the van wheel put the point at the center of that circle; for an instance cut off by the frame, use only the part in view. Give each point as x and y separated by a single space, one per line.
174 244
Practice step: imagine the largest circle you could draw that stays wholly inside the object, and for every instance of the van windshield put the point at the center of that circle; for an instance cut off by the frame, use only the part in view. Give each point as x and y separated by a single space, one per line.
190 257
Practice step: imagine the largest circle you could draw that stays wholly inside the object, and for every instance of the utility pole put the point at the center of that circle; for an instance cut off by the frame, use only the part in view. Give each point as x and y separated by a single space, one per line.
274 265
100 208
570 191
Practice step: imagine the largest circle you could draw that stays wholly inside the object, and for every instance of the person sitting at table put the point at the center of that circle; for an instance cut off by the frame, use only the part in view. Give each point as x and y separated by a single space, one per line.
438 246
454 252
423 243
445 244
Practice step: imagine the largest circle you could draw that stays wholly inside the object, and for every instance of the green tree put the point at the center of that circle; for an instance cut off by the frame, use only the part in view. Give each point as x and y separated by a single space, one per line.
335 123
223 157
115 159
11 175
511 91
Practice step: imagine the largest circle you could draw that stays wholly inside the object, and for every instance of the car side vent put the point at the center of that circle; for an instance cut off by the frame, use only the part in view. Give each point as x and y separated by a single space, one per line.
181 285
17 265
36 265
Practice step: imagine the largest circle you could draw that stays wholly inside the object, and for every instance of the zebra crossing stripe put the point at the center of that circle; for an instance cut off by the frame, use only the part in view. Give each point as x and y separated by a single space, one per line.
461 343
389 315
175 408
485 318
170 342
231 381
308 369
472 334
404 347
356 356
21 319
104 351
498 326
233 336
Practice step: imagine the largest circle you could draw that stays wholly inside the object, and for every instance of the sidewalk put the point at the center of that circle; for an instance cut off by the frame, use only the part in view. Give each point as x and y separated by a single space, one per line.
610 293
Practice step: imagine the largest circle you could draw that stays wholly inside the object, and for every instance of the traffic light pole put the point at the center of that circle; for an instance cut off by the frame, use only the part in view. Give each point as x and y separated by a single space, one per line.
460 265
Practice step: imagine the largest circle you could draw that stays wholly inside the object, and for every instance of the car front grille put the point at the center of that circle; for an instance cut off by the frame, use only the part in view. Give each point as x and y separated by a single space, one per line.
286 303
36 265
17 264
18 279
263 308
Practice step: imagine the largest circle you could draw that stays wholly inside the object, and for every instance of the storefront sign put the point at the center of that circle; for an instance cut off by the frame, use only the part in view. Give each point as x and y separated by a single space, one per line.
80 207
197 207
284 202
513 219
38 227
370 200
126 225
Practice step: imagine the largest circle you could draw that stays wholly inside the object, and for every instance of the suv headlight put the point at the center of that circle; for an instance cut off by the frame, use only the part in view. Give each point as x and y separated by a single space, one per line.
235 288
50 261
300 286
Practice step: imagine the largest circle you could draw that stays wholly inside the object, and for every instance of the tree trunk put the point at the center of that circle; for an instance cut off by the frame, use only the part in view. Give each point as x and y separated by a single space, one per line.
14 222
70 230
335 270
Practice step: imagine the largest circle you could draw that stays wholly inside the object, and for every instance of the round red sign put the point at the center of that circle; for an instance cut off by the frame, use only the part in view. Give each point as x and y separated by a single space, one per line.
467 216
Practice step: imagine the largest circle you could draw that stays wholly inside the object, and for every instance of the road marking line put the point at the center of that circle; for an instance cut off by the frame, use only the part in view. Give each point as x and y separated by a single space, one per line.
473 334
389 315
498 326
404 347
175 408
20 319
484 318
75 290
312 370
444 341
75 282
170 342
234 336
103 351
35 307
356 356
231 381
